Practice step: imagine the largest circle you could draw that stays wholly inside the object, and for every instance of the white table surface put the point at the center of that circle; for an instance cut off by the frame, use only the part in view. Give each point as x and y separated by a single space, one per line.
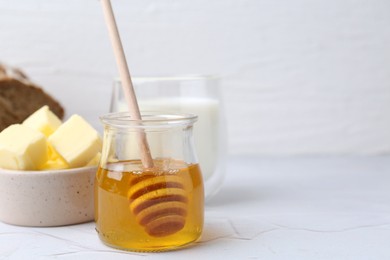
305 208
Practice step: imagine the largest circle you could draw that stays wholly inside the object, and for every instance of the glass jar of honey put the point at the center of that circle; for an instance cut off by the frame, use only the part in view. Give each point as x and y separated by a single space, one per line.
149 208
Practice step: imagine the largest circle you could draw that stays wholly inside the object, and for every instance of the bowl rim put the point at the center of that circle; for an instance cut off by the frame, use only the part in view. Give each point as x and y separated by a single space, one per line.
47 172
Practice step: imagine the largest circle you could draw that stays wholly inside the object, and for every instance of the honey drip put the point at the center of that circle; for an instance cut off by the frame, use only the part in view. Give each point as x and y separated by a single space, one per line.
159 203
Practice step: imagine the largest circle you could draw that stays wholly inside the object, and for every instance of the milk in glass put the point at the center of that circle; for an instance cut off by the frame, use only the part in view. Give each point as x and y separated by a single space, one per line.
206 132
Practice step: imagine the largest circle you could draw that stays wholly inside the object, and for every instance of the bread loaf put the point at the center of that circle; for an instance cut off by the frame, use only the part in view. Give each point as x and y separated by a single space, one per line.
19 97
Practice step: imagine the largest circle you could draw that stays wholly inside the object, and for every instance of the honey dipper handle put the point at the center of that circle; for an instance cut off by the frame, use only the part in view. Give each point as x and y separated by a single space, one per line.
127 85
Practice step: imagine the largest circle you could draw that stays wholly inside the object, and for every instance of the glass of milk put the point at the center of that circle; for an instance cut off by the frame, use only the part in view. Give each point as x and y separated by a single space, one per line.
187 94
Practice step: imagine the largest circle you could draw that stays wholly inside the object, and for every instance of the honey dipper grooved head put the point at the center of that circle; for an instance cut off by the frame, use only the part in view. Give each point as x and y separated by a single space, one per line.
165 226
159 204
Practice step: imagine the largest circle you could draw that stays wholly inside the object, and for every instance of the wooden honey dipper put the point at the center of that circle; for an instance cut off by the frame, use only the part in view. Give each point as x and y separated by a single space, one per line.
159 203
127 84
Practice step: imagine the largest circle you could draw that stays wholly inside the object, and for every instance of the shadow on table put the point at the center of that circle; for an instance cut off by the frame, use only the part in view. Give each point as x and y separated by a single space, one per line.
235 195
215 230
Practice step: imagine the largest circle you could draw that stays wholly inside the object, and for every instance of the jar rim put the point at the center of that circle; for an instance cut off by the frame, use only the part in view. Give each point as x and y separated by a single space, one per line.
173 77
149 119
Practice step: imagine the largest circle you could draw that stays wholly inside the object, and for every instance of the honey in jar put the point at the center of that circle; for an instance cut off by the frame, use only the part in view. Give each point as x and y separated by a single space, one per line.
149 210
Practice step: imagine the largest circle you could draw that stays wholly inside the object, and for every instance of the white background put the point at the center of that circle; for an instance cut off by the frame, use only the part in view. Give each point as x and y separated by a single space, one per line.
298 76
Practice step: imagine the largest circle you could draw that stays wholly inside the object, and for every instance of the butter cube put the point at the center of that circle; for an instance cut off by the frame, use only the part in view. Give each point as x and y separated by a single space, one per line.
43 120
76 141
22 148
95 160
54 161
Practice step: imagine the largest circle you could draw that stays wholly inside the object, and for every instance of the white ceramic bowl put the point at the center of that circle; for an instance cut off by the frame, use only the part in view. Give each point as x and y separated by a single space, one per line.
47 198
